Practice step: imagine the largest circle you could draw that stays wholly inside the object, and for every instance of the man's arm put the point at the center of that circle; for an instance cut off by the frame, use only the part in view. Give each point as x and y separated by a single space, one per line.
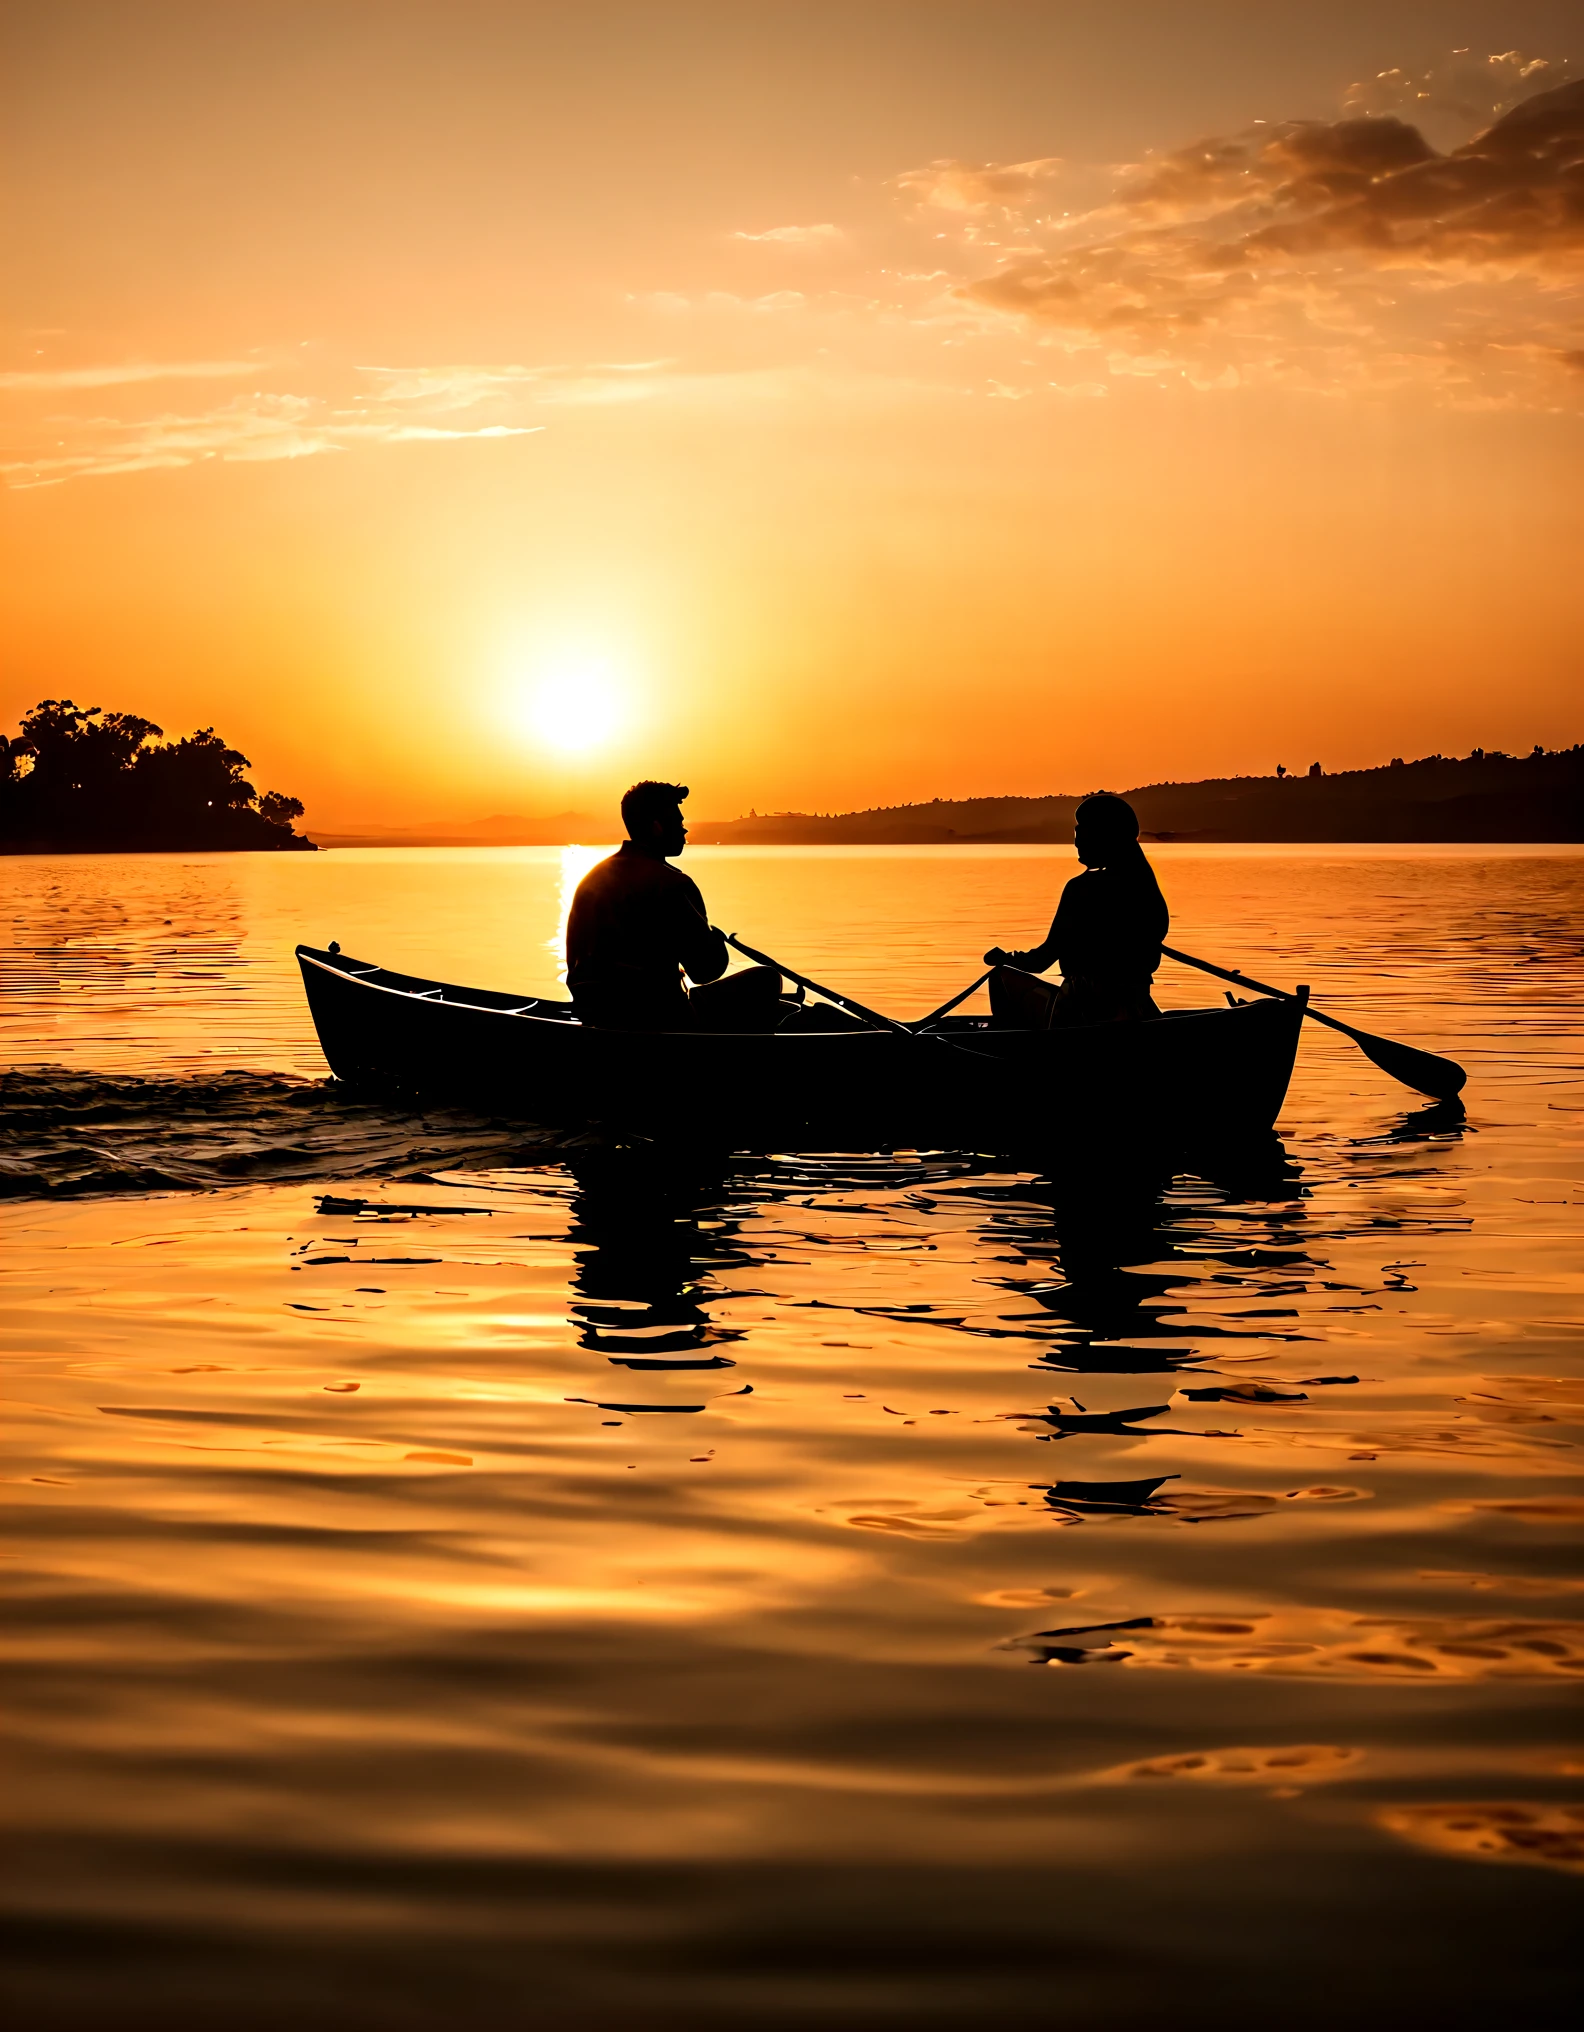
700 947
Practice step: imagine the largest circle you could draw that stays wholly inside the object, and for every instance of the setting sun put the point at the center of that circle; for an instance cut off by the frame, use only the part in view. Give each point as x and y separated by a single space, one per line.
572 705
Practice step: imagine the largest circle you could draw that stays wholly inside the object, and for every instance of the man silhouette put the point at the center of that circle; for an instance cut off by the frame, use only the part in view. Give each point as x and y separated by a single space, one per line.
637 926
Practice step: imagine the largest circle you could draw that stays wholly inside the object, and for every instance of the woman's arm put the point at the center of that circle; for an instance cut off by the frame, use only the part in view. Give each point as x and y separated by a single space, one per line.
1035 960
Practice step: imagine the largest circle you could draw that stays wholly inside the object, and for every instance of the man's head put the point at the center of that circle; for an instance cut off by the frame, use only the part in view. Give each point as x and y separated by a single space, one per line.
1104 826
652 814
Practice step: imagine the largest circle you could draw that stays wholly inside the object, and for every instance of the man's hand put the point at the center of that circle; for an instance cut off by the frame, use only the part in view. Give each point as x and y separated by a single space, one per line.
996 957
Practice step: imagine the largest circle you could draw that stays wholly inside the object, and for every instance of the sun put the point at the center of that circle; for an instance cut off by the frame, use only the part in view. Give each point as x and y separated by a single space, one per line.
574 705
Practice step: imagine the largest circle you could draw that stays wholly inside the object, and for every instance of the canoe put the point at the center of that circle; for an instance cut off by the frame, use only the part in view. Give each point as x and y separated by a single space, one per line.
825 1080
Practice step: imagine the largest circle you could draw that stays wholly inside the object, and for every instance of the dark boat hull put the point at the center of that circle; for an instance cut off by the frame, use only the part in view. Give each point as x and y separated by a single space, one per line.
1186 1076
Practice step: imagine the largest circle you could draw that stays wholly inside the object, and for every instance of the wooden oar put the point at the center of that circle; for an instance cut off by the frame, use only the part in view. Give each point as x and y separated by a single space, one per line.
946 1008
842 1001
1441 1078
846 1001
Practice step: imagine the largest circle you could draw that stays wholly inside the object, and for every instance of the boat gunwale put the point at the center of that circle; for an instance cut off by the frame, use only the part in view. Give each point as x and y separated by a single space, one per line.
314 956
425 991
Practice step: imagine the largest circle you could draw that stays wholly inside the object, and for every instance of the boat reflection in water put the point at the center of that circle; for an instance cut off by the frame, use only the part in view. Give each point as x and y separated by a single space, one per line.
656 1225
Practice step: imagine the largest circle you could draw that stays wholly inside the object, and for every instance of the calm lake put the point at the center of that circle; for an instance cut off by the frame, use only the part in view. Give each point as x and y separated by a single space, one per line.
455 1586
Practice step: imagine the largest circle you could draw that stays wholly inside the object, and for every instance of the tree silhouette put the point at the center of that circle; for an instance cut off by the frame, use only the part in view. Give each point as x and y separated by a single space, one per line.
77 777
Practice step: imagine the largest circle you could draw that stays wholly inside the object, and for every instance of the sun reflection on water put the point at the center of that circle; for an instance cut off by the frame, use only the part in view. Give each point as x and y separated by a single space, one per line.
575 864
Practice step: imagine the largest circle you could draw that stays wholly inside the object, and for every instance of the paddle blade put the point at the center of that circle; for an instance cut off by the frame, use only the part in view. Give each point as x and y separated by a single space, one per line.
1441 1078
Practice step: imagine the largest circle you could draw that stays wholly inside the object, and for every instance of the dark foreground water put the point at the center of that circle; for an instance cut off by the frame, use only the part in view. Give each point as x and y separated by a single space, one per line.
467 1577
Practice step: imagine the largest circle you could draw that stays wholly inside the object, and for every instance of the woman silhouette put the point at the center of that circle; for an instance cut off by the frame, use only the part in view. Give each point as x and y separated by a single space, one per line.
1106 934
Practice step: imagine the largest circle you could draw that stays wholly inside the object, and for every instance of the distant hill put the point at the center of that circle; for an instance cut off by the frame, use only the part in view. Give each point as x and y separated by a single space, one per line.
1485 796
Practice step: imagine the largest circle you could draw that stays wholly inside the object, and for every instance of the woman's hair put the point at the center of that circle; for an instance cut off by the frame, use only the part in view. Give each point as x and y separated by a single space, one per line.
1111 825
1107 817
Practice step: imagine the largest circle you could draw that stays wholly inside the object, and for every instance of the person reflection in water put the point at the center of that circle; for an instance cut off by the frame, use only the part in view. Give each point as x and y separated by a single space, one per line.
637 926
1106 935
645 1265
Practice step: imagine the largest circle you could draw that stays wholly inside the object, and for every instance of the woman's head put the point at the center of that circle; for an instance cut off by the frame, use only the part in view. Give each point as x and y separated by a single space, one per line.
1105 828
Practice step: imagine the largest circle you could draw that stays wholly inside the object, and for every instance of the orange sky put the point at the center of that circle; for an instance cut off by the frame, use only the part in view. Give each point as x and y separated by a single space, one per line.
864 402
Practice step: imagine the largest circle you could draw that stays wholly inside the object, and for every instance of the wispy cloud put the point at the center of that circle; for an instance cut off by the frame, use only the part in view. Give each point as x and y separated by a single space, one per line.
451 402
248 430
451 388
825 235
670 302
951 185
43 379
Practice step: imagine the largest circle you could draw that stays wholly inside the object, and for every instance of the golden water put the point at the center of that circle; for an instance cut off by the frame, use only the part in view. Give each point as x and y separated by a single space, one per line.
546 1596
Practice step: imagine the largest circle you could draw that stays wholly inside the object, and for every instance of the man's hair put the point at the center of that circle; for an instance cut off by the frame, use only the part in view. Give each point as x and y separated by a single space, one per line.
648 801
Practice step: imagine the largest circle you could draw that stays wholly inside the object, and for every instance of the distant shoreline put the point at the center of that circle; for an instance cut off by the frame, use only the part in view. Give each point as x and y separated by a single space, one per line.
47 851
333 844
1479 799
1483 798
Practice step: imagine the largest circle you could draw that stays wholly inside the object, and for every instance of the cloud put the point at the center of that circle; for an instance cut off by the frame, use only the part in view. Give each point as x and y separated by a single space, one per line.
447 389
1329 251
43 379
671 303
1511 199
796 236
249 430
1273 166
1466 88
383 405
271 427
951 185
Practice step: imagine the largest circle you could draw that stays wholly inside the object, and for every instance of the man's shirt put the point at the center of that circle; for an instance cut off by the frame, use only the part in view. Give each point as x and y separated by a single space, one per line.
637 924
